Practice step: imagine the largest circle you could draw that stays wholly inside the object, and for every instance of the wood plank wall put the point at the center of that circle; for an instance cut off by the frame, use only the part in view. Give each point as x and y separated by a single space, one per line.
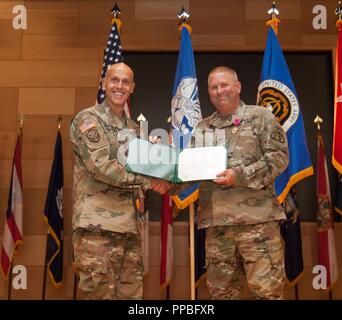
53 68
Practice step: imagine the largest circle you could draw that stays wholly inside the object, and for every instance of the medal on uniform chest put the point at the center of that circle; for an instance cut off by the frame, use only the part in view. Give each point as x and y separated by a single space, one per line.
236 123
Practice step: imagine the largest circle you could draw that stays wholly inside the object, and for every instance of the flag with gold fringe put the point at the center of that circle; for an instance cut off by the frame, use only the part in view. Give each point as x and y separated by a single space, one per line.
277 93
53 216
325 220
337 137
185 115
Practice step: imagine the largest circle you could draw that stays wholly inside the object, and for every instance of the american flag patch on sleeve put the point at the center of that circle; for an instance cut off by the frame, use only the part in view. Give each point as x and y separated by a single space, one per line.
86 125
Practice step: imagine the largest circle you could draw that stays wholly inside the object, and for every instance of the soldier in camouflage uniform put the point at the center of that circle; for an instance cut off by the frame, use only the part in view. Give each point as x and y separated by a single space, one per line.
106 239
239 210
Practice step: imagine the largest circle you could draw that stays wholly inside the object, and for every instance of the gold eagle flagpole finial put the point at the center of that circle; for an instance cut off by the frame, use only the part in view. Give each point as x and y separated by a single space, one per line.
183 17
274 21
116 11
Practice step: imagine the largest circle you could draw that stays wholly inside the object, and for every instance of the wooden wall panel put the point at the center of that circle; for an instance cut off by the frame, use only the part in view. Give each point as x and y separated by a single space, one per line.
153 34
62 74
41 146
9 107
95 18
10 40
34 203
62 47
52 17
218 18
159 10
38 173
7 143
5 172
46 101
85 98
6 8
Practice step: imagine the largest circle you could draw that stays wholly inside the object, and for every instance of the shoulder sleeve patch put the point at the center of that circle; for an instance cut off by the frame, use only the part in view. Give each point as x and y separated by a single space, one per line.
93 135
87 124
278 135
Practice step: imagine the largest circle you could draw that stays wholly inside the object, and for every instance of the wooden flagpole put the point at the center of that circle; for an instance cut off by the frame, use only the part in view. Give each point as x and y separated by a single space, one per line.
192 250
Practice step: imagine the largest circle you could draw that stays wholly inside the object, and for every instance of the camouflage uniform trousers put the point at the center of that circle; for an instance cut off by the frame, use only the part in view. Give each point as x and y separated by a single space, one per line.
109 264
251 251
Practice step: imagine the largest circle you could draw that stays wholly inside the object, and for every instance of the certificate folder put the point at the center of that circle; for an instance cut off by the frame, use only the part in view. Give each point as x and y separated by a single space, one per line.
175 165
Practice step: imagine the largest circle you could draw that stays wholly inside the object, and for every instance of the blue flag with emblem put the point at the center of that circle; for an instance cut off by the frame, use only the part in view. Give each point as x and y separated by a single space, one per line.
53 216
185 108
185 115
277 93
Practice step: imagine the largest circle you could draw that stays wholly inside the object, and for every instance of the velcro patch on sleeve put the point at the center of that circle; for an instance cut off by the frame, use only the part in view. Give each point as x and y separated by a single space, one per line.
87 124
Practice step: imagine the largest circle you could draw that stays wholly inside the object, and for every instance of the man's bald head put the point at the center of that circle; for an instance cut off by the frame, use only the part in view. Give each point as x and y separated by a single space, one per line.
120 66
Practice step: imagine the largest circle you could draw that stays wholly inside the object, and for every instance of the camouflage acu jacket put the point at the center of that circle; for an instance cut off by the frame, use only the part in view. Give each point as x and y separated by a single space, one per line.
103 191
257 152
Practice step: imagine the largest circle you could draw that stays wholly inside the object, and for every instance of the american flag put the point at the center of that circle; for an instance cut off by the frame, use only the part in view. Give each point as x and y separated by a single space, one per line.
13 233
113 54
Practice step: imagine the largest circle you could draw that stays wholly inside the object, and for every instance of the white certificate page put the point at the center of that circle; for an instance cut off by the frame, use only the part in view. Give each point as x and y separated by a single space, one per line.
201 163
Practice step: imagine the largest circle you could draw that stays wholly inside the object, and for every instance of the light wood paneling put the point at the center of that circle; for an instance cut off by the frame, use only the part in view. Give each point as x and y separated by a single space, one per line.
10 40
46 101
41 146
36 173
151 34
159 10
7 143
52 17
85 98
319 41
5 173
34 203
62 47
218 18
6 8
218 42
9 108
62 74
95 18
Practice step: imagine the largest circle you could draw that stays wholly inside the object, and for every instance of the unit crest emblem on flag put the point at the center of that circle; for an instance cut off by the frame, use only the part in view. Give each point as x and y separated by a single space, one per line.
283 101
186 104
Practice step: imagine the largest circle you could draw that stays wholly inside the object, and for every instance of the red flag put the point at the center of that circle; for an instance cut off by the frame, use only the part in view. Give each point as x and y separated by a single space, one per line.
13 233
166 260
326 234
337 147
